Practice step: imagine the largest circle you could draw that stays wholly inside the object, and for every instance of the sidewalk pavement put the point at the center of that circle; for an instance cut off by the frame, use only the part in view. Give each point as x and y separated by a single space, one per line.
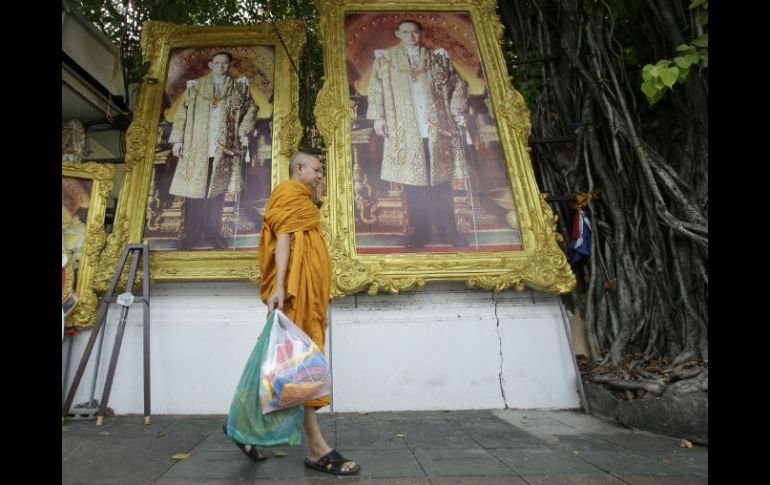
404 448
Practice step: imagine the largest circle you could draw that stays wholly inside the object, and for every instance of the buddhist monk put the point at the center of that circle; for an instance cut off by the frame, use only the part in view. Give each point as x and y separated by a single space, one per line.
296 279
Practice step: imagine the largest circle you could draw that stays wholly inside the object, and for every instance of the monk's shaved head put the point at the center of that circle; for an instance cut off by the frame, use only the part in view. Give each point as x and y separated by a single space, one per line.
306 168
299 158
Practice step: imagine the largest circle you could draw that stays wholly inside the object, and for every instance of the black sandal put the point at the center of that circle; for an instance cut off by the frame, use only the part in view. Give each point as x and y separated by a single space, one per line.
332 463
254 454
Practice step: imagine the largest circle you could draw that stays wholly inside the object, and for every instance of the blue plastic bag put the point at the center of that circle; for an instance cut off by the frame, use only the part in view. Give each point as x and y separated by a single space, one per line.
246 423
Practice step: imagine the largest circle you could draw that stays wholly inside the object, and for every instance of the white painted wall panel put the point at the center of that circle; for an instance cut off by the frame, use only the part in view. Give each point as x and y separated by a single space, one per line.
438 347
428 349
538 368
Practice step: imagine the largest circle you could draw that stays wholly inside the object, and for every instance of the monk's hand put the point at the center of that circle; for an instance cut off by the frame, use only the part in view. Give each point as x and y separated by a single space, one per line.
275 300
381 127
176 150
320 188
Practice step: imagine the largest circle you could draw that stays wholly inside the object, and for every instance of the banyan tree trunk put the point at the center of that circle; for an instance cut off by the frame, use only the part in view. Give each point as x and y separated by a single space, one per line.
644 289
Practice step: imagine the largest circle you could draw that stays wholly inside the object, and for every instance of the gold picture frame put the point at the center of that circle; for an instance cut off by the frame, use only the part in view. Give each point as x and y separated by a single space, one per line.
372 242
86 188
177 56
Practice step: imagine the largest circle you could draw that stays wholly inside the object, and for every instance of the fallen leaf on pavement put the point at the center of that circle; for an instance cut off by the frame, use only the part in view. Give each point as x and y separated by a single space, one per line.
400 435
667 462
279 453
181 456
685 444
104 433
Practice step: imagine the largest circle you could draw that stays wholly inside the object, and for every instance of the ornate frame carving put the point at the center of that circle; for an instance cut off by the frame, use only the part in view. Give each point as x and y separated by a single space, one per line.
540 264
158 40
102 175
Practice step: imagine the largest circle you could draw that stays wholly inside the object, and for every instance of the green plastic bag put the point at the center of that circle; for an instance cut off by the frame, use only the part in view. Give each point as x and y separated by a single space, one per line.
246 424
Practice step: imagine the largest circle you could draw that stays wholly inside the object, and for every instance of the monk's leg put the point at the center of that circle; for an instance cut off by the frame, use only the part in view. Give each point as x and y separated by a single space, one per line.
318 446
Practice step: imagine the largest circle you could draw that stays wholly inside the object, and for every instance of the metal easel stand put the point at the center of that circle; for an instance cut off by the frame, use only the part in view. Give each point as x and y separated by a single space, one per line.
125 300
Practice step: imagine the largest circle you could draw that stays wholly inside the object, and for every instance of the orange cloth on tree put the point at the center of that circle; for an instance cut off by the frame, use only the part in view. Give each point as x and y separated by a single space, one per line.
290 210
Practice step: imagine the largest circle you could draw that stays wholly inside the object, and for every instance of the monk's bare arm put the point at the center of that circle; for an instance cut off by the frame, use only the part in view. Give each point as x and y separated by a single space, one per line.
282 250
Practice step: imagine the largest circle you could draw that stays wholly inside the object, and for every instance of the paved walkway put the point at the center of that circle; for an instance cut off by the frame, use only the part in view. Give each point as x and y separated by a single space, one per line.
405 448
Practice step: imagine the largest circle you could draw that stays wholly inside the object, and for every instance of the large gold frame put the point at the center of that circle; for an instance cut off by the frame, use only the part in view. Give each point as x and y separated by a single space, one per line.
541 264
158 39
103 176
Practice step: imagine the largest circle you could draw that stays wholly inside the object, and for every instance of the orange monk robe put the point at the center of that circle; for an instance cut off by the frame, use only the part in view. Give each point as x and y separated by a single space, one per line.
290 210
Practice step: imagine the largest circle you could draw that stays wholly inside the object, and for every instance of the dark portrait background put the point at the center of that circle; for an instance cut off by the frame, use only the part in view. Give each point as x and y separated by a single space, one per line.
483 202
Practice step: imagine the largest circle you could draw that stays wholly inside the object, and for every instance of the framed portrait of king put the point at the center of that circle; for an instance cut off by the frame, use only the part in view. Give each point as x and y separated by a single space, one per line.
215 125
428 167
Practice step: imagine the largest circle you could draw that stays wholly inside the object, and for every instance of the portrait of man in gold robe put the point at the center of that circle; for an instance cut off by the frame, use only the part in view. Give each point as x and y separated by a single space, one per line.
211 174
427 174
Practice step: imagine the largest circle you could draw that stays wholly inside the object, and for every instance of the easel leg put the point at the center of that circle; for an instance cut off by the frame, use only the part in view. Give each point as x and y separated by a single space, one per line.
116 347
83 362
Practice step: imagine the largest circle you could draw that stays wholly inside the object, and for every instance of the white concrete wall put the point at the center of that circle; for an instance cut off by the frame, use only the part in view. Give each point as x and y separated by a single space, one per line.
441 347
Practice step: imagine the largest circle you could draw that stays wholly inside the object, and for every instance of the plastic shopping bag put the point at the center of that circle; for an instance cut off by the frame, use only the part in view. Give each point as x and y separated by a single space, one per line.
294 370
246 423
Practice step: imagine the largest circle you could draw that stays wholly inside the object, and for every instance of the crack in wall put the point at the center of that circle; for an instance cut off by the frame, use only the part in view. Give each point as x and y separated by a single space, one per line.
500 339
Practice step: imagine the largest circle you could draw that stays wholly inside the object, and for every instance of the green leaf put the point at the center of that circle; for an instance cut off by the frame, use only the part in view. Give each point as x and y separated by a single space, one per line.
694 58
697 3
705 59
649 90
669 76
646 75
683 62
702 41
659 84
651 100
658 97
685 48
703 18
683 74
